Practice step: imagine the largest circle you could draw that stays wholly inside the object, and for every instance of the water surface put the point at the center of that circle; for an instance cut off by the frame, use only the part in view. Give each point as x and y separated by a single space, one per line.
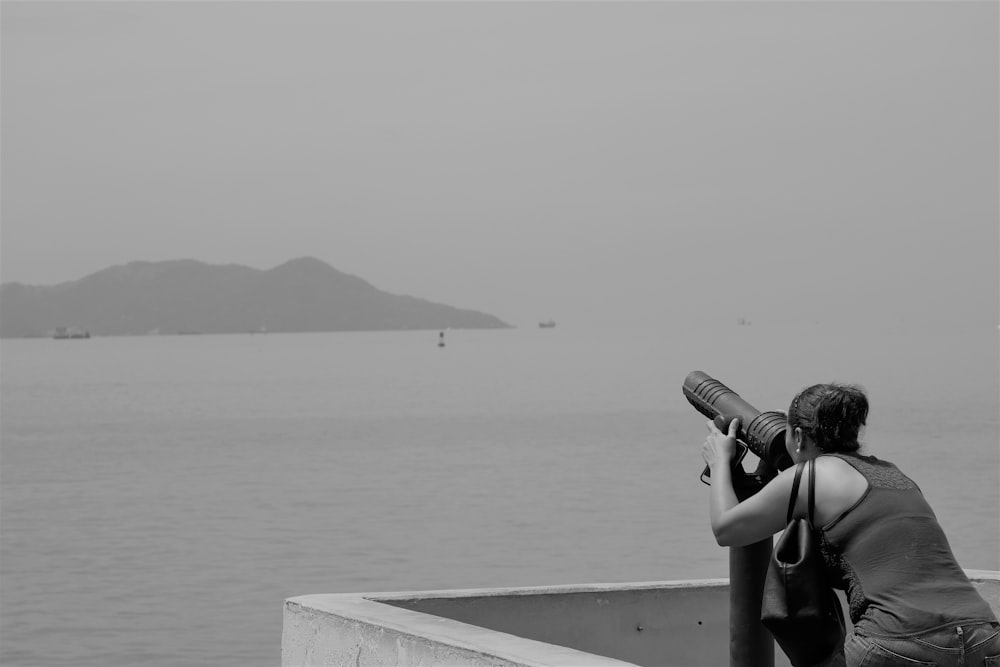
161 496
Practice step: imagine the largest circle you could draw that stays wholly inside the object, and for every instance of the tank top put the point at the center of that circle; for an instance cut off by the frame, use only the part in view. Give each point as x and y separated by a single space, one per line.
890 555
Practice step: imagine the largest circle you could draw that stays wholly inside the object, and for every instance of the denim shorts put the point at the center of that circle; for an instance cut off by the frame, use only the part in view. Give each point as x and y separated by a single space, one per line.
971 644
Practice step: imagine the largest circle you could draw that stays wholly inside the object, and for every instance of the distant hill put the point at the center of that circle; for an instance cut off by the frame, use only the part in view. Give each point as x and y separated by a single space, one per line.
186 296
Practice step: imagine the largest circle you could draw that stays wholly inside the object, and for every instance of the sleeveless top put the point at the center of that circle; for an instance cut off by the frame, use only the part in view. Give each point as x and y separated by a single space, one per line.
890 555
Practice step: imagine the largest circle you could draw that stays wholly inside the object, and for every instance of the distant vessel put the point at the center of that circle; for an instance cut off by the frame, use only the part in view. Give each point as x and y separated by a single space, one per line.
70 332
547 324
441 340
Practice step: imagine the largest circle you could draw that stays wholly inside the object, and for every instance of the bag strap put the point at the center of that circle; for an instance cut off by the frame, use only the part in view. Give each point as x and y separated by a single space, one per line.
812 491
795 492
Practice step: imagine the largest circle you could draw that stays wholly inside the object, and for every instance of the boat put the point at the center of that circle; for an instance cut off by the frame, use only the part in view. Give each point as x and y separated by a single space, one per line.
547 324
62 333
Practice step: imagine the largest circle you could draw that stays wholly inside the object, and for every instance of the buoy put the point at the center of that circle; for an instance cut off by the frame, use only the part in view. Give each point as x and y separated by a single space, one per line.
441 340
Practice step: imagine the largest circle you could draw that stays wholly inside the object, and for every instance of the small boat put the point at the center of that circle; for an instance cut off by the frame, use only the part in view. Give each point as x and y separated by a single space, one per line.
62 333
547 324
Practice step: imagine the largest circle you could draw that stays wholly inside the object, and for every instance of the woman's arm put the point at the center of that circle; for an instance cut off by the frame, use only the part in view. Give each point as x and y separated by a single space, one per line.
756 518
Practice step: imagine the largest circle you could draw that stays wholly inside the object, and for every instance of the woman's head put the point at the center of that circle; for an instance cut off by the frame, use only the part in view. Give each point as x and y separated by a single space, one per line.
830 415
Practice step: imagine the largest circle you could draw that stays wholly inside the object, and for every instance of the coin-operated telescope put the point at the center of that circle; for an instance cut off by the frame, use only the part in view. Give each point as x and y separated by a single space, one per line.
763 433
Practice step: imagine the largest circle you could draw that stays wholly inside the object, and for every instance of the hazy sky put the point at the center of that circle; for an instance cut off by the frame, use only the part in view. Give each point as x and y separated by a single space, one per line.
592 162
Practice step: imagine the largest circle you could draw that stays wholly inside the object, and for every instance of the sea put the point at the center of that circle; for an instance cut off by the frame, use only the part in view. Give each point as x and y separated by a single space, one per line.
161 496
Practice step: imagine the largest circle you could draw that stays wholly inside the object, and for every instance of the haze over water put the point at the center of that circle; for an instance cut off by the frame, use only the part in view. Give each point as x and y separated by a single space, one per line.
162 495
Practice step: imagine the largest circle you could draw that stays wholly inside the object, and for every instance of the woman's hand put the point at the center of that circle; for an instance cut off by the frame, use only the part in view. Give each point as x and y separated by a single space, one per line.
719 447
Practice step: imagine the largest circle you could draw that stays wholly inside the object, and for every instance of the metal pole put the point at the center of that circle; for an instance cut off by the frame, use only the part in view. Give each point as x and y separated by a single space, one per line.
750 644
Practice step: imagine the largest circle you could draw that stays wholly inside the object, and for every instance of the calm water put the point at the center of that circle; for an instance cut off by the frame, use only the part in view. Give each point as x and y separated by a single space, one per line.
161 496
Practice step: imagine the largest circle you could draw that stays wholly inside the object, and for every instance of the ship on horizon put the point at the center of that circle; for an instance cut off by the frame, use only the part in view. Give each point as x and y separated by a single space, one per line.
62 333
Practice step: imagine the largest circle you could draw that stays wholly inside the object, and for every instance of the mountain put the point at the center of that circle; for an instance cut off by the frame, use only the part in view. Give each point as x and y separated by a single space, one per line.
186 296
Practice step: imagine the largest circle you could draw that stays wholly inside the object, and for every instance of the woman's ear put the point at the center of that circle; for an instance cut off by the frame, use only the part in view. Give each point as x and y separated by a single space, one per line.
797 438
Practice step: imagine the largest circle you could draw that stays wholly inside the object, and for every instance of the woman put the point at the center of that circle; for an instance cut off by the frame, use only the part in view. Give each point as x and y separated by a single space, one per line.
910 602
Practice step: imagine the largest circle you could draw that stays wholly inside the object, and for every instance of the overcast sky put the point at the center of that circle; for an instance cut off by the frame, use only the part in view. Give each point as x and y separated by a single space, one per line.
592 162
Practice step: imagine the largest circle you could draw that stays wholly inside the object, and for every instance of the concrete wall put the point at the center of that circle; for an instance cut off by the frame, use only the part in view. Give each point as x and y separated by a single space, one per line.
665 624
355 630
644 624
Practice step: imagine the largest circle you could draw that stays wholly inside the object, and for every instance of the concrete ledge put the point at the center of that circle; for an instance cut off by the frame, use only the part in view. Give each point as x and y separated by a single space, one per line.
667 624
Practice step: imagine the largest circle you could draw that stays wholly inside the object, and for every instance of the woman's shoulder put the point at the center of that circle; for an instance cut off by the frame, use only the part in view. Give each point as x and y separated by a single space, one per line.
839 487
838 467
857 460
878 472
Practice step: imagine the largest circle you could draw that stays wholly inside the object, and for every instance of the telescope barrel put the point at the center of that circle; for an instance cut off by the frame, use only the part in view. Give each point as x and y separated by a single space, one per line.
763 433
712 398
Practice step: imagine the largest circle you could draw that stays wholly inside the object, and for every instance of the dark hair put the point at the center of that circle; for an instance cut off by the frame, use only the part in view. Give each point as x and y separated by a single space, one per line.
831 415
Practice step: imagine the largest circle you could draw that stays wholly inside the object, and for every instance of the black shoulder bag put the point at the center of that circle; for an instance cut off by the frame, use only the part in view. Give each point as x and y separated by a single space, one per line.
799 607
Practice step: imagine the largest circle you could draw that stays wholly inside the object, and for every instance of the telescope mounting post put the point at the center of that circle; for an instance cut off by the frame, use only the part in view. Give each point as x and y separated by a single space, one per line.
750 643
